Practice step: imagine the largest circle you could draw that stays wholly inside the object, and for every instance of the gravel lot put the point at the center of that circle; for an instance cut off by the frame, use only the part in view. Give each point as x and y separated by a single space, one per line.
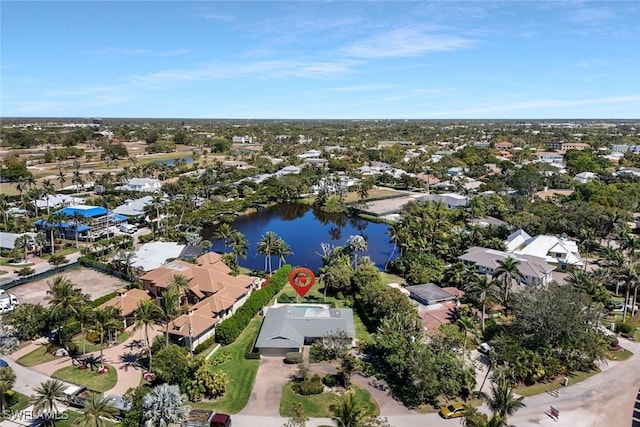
90 281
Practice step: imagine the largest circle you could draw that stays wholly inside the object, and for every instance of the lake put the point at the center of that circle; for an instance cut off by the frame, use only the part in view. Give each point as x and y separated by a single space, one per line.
305 229
171 162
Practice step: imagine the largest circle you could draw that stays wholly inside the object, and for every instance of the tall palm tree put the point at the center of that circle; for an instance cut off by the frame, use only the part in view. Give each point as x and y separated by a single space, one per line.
7 381
61 179
77 217
467 324
146 314
349 412
484 288
223 232
356 244
266 246
282 250
64 300
164 406
180 283
33 195
97 409
4 208
84 317
169 306
104 320
629 275
46 398
502 400
48 191
507 272
239 245
50 225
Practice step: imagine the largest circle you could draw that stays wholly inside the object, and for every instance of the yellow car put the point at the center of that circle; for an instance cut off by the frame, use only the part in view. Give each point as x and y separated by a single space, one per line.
455 410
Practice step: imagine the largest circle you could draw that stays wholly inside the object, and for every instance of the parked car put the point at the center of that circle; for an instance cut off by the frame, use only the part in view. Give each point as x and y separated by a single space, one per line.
616 305
455 410
484 348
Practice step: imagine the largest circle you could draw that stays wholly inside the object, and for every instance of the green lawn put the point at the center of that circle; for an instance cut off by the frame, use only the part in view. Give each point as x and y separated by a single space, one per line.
37 357
318 405
242 373
391 278
22 403
88 378
90 347
72 416
64 251
361 330
620 355
574 378
429 409
8 261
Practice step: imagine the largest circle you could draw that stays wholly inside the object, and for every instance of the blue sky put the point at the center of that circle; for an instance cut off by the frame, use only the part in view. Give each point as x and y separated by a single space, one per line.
321 60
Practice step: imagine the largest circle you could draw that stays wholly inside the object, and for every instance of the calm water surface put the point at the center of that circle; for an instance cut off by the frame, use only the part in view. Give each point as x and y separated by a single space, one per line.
305 230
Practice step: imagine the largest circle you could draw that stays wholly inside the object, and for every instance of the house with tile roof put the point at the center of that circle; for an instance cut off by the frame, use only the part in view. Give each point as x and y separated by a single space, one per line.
127 302
213 295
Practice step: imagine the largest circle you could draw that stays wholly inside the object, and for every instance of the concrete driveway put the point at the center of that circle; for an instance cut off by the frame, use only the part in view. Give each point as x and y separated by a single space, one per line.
273 375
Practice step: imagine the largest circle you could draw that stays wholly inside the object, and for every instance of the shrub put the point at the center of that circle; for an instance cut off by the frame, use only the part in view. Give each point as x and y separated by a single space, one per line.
316 354
145 238
205 344
158 343
10 398
330 380
93 337
293 358
220 358
625 328
232 327
612 340
309 386
101 300
250 352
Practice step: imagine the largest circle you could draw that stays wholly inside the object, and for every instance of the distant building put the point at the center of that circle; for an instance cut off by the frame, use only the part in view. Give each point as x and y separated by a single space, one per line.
625 148
146 185
451 200
57 201
575 146
94 222
133 208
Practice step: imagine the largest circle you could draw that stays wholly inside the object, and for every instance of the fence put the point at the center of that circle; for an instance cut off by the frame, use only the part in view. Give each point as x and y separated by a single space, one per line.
38 276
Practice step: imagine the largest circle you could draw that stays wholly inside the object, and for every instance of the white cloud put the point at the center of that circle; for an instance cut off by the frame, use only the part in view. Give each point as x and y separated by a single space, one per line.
407 41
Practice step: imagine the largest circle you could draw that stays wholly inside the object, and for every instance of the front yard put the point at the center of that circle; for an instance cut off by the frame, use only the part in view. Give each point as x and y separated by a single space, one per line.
242 373
88 377
318 405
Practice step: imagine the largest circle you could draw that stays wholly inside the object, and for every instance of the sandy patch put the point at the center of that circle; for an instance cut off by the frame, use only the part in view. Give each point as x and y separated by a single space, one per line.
90 281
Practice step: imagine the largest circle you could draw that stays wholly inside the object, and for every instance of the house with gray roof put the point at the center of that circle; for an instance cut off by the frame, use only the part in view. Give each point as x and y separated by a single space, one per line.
534 270
429 294
133 208
289 327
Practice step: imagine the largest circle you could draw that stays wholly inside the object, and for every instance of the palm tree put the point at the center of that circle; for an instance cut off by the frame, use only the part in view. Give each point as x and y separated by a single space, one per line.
630 276
46 398
223 232
477 419
146 314
484 288
169 306
33 195
282 250
7 381
349 412
467 324
180 283
266 246
64 301
164 406
507 272
363 188
84 316
61 179
23 243
502 401
356 244
48 191
50 224
77 179
77 216
4 208
97 409
103 321
239 245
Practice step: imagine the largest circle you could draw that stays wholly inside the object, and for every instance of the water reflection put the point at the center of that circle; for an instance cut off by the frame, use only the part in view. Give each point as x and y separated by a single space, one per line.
305 229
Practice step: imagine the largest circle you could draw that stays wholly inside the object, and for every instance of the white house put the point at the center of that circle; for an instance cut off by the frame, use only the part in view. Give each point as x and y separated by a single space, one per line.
554 250
58 201
451 200
550 157
584 177
288 170
147 185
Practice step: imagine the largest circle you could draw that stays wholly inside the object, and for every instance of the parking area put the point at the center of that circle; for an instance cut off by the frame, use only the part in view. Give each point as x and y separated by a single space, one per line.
90 281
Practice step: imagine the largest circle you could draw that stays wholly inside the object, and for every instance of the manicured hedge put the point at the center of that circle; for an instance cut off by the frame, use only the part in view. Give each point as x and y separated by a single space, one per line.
232 327
104 298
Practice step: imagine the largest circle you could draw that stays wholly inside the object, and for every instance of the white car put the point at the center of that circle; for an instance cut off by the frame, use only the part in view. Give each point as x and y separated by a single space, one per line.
484 348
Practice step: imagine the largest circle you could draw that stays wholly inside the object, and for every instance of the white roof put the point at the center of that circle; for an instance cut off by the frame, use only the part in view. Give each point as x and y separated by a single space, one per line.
57 200
516 239
544 246
154 254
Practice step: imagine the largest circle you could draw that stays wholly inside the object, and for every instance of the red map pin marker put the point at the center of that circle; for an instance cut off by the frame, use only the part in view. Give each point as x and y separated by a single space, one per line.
302 280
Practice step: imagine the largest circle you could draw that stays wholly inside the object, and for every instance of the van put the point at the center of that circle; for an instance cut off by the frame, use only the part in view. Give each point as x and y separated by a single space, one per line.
128 228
